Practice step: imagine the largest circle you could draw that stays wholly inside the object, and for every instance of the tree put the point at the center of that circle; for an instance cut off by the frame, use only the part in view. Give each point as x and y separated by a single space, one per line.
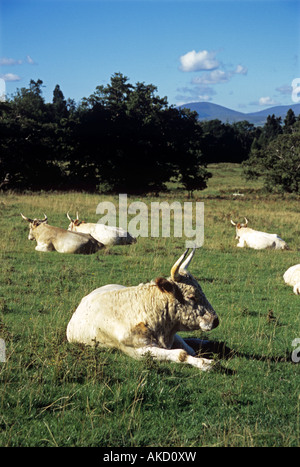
28 142
59 104
282 164
271 129
278 164
130 140
123 137
114 96
224 142
289 121
185 142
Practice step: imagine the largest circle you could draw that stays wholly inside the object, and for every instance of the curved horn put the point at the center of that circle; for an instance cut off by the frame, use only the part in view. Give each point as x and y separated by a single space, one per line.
26 218
233 223
68 216
175 268
245 225
77 216
45 218
184 266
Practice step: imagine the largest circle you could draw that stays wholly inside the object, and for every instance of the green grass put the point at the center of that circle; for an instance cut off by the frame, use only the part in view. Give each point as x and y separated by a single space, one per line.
53 393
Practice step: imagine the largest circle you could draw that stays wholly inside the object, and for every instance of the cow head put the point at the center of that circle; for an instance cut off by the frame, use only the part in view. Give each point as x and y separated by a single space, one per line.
239 226
74 222
33 224
193 310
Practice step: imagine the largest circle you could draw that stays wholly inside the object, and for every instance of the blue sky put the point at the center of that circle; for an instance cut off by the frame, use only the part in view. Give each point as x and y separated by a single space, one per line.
240 54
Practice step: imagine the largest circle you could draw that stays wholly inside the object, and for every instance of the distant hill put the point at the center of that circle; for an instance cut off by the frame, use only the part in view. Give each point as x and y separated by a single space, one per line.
209 111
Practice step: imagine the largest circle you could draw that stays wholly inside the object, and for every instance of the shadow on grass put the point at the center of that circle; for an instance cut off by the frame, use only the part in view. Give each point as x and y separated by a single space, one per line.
220 351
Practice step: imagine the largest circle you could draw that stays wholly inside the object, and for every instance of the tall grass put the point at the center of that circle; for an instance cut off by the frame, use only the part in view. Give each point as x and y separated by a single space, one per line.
53 393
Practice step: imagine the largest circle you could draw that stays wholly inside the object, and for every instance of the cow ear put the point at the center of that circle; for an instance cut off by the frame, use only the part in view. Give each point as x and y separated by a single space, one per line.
164 285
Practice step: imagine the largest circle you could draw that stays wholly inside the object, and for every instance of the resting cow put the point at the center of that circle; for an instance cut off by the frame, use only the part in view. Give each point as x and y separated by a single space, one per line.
51 238
255 239
145 318
292 277
106 234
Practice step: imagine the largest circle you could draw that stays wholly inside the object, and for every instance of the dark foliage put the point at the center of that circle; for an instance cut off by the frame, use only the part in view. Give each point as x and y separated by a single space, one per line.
122 138
275 155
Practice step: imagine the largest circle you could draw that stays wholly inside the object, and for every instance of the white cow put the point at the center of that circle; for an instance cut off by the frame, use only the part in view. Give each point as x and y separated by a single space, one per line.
292 277
255 239
50 238
106 234
145 318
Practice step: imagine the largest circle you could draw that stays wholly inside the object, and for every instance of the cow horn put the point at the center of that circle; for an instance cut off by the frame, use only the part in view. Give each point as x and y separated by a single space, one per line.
68 216
26 218
184 266
45 218
77 216
233 223
245 225
175 275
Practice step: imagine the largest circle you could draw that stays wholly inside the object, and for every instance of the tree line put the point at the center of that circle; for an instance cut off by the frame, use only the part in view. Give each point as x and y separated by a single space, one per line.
122 138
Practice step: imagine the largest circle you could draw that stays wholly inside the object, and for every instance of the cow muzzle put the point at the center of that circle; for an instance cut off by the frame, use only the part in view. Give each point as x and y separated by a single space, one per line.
210 322
215 322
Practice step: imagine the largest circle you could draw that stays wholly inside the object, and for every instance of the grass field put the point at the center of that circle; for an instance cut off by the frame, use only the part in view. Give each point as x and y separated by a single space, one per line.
53 393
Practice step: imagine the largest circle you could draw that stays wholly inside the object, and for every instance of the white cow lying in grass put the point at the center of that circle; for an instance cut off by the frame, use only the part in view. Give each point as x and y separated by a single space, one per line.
106 234
50 238
255 239
292 277
145 319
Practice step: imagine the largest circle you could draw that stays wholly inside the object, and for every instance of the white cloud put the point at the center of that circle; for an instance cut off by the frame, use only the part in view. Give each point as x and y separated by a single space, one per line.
214 72
4 61
241 70
9 61
219 76
214 77
285 89
29 60
10 77
266 101
197 61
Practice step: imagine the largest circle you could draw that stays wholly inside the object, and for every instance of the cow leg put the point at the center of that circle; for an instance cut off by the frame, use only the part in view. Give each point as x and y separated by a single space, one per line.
296 288
44 247
206 348
180 343
175 355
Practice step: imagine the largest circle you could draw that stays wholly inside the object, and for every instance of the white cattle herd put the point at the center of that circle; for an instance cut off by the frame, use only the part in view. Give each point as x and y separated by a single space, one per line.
146 318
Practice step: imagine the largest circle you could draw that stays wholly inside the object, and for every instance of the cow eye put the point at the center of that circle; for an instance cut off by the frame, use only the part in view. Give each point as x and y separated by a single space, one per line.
192 297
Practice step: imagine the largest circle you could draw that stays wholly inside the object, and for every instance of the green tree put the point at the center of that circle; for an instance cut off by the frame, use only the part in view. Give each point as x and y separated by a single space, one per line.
121 138
289 121
28 140
59 104
278 164
129 139
271 129
184 141
224 142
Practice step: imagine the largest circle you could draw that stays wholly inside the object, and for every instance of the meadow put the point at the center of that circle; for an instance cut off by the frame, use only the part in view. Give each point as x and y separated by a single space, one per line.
53 393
